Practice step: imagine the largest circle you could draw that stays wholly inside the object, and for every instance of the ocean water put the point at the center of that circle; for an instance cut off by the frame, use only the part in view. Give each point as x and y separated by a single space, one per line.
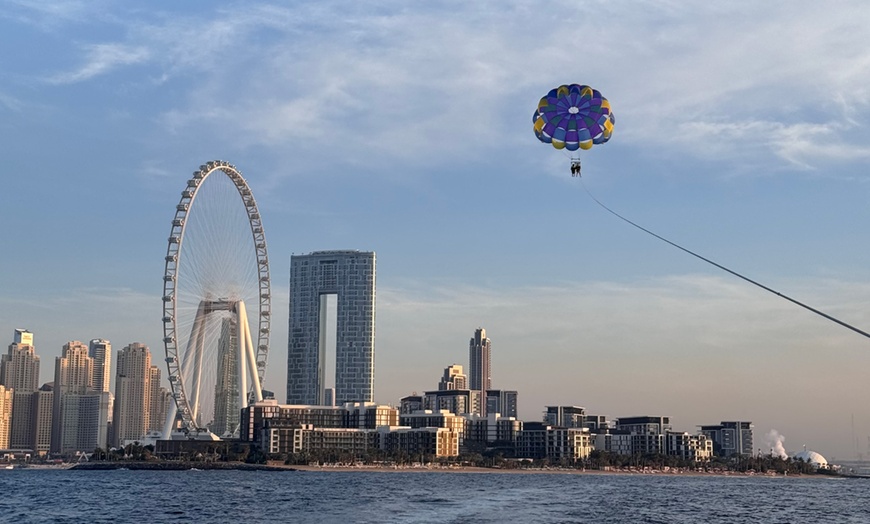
422 497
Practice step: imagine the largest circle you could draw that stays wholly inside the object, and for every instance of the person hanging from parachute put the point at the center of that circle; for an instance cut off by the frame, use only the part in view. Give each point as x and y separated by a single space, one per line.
575 116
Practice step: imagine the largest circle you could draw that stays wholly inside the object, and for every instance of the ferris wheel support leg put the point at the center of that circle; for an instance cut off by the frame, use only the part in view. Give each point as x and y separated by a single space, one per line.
169 424
198 349
252 362
241 332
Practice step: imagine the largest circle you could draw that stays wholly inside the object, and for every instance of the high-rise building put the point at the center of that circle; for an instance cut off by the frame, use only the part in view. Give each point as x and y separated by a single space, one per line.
453 378
85 421
226 388
479 372
73 375
21 431
156 410
5 416
19 368
23 337
41 409
101 351
19 372
350 276
132 394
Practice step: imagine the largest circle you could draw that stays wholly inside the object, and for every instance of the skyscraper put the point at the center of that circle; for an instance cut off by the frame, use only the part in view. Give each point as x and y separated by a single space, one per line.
479 376
101 351
226 388
73 377
43 401
350 276
19 371
19 368
453 378
5 416
132 394
85 421
156 410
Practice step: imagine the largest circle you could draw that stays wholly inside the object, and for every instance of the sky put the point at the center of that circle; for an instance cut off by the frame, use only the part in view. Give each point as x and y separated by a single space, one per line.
405 129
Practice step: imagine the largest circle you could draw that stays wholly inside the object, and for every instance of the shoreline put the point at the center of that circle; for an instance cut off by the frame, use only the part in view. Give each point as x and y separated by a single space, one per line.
176 466
275 466
542 471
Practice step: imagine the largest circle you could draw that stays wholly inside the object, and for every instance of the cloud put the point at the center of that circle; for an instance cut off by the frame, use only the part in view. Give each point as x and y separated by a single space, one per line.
10 103
49 15
100 59
800 144
384 83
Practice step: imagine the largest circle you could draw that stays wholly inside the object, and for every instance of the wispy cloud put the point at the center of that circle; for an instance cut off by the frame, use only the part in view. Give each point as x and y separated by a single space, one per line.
800 144
10 103
100 59
384 83
49 14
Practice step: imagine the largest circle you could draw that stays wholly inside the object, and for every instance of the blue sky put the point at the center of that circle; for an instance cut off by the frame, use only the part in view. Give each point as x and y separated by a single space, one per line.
405 129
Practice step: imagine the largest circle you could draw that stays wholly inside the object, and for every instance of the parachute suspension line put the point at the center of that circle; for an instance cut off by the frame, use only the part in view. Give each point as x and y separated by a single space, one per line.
723 268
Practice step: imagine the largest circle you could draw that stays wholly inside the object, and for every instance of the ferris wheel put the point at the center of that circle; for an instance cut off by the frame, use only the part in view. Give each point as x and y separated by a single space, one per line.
217 268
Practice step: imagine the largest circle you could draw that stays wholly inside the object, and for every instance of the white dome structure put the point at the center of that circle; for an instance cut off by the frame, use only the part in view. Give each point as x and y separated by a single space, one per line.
811 457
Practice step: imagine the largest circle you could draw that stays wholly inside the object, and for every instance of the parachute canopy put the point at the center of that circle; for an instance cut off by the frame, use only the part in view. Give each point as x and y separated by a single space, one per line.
573 117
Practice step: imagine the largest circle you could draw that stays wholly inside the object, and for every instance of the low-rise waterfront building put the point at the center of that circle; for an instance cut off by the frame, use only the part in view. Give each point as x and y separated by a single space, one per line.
568 444
411 403
532 440
426 442
612 441
697 448
647 433
433 419
270 414
502 401
369 415
494 428
305 438
457 401
573 417
732 438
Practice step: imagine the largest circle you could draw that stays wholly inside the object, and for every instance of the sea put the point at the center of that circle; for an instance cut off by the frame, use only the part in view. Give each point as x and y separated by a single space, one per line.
68 496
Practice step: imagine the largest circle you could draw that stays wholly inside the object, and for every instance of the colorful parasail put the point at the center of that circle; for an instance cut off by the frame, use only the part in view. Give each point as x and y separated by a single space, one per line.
573 117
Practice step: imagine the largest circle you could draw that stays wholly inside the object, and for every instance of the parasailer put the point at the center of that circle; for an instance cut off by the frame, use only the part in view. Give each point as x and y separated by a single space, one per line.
572 117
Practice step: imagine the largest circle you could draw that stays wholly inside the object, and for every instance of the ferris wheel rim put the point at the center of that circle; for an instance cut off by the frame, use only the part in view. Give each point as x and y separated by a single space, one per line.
170 281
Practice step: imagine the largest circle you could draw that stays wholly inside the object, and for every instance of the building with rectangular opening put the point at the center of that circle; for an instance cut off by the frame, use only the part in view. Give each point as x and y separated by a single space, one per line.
349 276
